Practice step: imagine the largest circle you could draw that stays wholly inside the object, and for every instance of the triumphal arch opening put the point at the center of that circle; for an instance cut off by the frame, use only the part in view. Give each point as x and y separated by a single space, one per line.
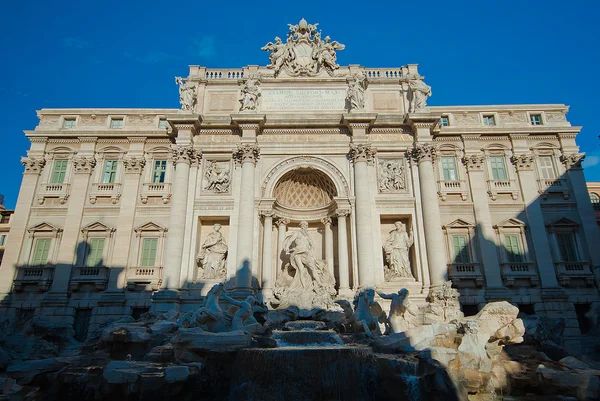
301 182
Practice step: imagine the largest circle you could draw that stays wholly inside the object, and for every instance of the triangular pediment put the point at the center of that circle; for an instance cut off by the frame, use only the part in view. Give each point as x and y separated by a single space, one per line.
150 226
44 227
564 222
97 226
512 222
459 223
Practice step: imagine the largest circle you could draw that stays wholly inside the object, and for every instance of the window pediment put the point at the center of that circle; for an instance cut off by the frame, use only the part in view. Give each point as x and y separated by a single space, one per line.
510 223
150 227
458 223
97 227
44 227
564 223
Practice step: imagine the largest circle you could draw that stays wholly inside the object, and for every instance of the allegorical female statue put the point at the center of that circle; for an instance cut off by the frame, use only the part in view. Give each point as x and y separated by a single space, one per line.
396 248
212 254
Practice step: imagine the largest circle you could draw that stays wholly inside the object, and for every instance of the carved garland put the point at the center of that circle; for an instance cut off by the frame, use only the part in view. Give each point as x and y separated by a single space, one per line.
424 152
33 165
474 162
524 161
361 153
185 154
84 164
572 161
246 153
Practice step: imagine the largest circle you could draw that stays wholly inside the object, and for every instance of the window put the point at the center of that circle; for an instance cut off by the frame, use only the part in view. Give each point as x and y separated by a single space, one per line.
69 123
94 252
595 201
110 172
2 239
547 167
489 121
116 123
449 168
461 251
149 246
513 248
536 119
59 170
444 121
567 247
498 168
158 171
163 124
40 252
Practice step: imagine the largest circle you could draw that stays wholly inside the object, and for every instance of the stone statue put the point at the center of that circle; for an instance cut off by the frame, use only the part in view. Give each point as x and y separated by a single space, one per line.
217 178
210 317
244 315
249 94
304 52
212 255
396 248
368 312
443 305
419 92
391 176
305 282
355 94
187 94
403 315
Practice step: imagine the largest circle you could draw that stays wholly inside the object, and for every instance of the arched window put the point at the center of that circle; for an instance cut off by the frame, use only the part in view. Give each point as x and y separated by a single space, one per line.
595 201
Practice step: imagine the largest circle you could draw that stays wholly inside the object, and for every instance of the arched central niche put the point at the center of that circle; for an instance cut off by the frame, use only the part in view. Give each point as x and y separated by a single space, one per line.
305 188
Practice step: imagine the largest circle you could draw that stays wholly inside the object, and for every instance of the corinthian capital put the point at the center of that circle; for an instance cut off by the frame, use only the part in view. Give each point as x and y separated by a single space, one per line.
33 165
134 164
361 153
246 153
523 161
572 161
424 152
473 162
185 154
83 164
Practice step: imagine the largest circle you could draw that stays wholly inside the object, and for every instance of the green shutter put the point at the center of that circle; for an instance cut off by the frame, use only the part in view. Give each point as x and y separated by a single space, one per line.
59 170
110 172
40 251
461 252
449 168
158 173
513 248
498 168
566 244
95 252
149 252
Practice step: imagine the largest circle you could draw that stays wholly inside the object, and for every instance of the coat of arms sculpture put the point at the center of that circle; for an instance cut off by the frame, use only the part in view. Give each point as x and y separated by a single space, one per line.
304 53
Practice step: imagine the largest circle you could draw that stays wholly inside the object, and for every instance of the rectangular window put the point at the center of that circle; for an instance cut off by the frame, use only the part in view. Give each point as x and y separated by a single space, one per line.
40 252
498 167
536 119
69 123
513 248
163 124
158 171
149 252
547 167
59 170
2 240
110 172
567 247
444 121
449 168
489 121
461 252
94 252
116 123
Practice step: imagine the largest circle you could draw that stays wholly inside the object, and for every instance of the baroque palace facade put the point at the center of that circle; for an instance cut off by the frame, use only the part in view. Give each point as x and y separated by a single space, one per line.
121 210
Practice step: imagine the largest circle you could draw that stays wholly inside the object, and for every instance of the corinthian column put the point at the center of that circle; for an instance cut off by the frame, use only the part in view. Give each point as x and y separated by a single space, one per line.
328 242
267 260
182 159
344 274
360 156
246 155
424 154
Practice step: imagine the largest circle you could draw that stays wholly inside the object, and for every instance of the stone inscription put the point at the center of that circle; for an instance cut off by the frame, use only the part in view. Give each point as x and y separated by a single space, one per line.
303 99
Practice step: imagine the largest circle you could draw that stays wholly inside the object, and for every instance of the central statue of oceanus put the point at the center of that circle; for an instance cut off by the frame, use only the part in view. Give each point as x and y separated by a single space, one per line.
304 52
304 282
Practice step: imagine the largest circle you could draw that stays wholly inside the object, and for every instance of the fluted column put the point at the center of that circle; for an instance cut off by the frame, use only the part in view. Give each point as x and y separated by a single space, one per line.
182 159
360 156
281 231
267 260
424 154
483 218
524 164
328 242
344 273
246 155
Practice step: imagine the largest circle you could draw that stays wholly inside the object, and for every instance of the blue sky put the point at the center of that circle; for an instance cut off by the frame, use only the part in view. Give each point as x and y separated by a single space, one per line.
126 53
